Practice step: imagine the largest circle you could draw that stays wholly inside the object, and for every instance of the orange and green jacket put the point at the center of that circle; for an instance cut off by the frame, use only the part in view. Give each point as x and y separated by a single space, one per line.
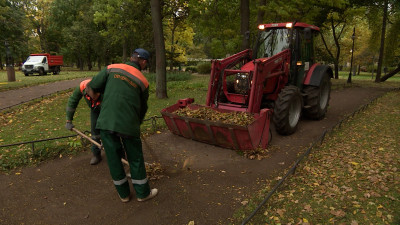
125 92
76 96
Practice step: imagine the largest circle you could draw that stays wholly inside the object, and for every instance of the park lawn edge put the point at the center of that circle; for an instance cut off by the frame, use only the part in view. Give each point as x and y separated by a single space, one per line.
352 178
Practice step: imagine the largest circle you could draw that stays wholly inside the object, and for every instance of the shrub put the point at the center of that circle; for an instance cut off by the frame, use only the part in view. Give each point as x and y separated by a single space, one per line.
171 76
204 67
192 69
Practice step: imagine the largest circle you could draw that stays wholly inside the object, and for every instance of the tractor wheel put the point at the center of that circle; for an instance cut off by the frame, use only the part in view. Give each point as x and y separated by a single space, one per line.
317 99
287 110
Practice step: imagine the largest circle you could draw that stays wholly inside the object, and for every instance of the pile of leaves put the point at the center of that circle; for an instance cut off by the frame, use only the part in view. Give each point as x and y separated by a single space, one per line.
154 171
205 113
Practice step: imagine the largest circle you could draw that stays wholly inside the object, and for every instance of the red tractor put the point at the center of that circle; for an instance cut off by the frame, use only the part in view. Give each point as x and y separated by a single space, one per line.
280 77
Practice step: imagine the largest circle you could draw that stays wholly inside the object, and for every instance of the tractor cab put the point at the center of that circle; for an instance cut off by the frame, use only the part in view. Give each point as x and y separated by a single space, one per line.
298 38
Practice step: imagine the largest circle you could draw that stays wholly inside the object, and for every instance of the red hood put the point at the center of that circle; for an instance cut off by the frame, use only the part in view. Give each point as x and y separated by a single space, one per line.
250 65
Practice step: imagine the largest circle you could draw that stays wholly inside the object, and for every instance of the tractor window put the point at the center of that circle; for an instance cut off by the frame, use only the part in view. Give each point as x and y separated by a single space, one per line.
272 41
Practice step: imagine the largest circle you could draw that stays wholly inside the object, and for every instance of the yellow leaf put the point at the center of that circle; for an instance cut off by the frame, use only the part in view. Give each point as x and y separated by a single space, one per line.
381 149
17 173
380 207
354 163
191 223
305 220
159 132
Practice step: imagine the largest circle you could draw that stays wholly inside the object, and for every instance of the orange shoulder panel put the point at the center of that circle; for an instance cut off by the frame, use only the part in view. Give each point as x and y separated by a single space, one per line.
83 84
132 70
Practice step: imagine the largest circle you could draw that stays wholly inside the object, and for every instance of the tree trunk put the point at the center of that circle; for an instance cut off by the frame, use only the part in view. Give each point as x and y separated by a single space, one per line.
390 74
99 63
261 12
161 73
1 62
171 65
381 50
336 39
244 23
81 65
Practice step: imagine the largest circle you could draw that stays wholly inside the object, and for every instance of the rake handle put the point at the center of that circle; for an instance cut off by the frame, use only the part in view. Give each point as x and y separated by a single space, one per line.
95 142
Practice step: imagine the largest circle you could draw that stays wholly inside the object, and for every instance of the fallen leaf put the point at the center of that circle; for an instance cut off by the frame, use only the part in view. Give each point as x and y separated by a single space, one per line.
338 213
354 222
281 212
191 222
308 208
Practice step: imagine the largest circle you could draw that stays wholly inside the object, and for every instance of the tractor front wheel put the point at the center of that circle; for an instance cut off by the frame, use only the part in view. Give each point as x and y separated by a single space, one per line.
287 110
317 99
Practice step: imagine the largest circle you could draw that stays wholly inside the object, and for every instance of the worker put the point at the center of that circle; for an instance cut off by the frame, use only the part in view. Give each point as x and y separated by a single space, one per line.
94 105
125 93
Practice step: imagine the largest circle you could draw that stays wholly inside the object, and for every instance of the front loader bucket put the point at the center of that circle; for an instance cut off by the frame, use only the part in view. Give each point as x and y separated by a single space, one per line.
255 135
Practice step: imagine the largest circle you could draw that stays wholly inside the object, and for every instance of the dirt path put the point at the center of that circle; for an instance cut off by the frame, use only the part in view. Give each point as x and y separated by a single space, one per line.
207 191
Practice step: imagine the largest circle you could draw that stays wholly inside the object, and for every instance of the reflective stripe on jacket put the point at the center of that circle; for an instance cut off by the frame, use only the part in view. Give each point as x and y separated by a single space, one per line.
130 72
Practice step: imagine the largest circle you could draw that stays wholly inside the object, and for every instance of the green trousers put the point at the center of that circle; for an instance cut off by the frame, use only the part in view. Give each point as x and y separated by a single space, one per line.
114 145
94 114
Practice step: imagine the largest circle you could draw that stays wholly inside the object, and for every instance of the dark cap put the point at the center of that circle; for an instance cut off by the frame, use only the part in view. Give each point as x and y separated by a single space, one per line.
142 53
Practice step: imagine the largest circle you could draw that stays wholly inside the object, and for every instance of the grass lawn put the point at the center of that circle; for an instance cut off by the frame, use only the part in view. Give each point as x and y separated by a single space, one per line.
24 81
42 119
352 178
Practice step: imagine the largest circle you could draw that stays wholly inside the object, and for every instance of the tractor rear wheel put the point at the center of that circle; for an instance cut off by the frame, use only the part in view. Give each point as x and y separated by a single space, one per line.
317 99
287 110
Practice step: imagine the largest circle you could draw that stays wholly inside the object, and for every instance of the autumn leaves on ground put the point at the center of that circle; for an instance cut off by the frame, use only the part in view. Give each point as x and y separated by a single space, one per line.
353 178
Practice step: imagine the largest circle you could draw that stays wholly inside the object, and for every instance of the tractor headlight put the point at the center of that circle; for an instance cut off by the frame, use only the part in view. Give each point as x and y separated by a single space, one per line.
242 83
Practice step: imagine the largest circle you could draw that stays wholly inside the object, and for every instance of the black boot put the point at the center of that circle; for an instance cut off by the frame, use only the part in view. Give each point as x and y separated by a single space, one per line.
95 159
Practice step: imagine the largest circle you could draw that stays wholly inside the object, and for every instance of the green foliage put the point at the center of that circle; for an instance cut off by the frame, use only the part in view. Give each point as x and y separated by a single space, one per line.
13 24
204 67
217 20
192 69
171 76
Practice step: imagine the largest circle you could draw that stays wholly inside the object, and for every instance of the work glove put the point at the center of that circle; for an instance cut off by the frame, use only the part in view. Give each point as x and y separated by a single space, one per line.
69 125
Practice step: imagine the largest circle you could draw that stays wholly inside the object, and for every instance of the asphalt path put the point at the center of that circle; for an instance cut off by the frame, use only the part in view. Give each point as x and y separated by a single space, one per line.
18 96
